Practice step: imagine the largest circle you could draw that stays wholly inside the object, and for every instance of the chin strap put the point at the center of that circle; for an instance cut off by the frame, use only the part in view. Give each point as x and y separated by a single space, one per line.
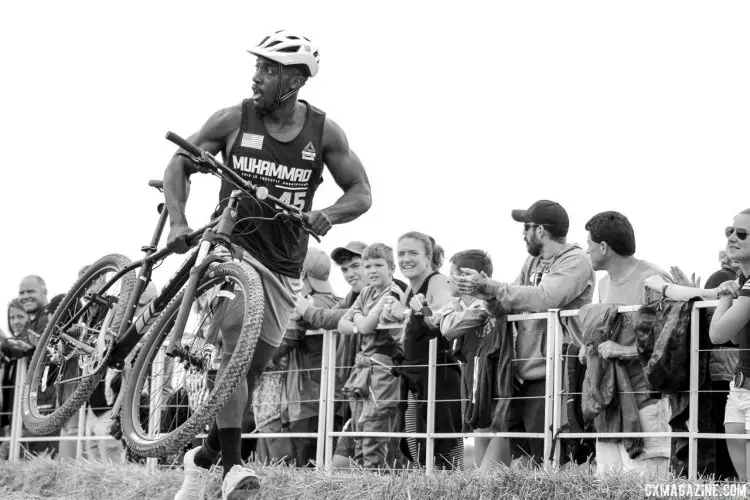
280 98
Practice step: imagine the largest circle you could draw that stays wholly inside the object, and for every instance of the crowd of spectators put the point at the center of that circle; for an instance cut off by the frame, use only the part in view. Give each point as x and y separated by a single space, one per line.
491 374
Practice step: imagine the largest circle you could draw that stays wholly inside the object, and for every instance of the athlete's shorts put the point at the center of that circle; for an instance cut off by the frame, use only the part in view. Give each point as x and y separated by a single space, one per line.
738 407
279 296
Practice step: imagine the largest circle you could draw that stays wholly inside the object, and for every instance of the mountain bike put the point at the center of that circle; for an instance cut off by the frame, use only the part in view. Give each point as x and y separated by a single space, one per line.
95 329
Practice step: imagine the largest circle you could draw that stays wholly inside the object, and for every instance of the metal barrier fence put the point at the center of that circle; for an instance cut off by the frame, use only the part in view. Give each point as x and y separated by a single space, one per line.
325 433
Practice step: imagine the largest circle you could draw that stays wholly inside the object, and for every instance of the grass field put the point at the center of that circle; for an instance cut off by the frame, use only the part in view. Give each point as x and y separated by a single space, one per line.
45 478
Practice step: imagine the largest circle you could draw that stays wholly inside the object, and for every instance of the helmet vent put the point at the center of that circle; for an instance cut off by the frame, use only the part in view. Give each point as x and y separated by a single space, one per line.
293 49
272 44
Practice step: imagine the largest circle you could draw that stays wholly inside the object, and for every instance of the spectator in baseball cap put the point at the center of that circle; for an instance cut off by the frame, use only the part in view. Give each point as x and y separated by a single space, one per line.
351 249
316 270
556 275
304 347
549 214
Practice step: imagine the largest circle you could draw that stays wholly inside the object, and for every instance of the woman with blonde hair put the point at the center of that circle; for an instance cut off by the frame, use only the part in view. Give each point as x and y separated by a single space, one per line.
420 259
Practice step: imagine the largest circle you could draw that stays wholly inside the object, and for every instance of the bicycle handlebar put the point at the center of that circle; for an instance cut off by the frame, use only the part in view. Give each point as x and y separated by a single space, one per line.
187 146
206 159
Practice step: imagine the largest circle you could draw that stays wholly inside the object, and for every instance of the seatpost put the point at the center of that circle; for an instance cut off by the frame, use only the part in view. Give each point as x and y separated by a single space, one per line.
228 216
144 273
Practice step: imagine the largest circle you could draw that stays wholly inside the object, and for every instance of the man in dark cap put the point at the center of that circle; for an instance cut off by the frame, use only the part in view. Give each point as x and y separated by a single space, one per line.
555 275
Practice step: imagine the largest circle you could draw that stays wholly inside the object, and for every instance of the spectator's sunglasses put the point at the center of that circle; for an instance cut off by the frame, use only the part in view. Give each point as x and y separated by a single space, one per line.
529 225
741 233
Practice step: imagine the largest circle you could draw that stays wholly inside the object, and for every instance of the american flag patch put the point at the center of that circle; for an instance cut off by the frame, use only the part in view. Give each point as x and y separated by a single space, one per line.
252 141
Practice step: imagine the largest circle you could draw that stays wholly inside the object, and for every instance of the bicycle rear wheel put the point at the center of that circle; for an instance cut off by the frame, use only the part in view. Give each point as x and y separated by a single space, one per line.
155 421
72 356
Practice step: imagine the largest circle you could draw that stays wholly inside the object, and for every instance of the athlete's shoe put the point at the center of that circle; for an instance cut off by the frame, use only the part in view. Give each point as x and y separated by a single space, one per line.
195 480
239 483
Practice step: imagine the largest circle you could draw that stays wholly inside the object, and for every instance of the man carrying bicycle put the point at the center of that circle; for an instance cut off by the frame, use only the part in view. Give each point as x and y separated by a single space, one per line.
280 142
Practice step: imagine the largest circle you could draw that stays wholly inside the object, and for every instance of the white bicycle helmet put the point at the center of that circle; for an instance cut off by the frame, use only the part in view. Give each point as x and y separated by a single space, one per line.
288 49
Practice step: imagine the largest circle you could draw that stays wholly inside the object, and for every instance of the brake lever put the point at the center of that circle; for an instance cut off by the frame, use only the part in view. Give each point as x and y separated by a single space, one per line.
203 164
306 226
310 232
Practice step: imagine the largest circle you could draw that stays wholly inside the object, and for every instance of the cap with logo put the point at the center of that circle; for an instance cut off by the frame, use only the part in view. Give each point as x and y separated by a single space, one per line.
353 247
545 213
317 269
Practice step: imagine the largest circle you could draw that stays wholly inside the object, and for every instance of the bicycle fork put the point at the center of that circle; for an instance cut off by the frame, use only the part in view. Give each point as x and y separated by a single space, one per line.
223 230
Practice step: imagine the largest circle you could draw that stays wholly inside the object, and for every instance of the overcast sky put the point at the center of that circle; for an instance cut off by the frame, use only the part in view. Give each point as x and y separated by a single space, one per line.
460 113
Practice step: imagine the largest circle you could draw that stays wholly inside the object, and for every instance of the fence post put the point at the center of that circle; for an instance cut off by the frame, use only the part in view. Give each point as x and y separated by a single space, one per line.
693 398
558 365
549 391
16 423
330 399
155 398
81 430
323 407
431 376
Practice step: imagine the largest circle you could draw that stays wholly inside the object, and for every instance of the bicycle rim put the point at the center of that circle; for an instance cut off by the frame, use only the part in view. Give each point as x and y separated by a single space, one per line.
168 400
71 355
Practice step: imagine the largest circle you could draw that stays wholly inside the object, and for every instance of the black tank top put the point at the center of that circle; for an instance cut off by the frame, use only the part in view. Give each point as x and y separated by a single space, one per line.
291 171
417 333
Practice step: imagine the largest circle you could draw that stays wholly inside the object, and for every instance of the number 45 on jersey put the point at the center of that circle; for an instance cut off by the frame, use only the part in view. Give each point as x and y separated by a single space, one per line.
296 198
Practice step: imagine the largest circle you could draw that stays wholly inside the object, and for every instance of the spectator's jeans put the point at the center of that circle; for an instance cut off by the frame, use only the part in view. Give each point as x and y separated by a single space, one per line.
656 451
103 450
372 451
527 415
305 449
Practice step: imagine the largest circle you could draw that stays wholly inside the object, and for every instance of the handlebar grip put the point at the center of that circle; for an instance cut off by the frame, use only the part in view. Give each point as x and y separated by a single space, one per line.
187 146
305 218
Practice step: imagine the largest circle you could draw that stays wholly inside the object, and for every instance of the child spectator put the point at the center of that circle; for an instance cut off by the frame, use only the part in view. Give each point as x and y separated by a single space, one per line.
465 320
372 389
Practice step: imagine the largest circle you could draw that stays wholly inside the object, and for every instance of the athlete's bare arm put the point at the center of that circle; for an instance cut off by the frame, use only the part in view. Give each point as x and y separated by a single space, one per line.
350 176
212 137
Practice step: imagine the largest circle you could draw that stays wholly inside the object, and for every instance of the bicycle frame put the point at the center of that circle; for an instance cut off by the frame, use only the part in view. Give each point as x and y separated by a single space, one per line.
132 329
130 333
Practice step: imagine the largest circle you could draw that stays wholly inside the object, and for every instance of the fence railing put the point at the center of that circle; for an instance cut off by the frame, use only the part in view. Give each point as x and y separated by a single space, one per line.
325 434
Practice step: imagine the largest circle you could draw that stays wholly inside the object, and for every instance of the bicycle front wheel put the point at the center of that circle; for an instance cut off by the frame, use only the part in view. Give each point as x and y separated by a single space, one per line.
167 401
71 356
